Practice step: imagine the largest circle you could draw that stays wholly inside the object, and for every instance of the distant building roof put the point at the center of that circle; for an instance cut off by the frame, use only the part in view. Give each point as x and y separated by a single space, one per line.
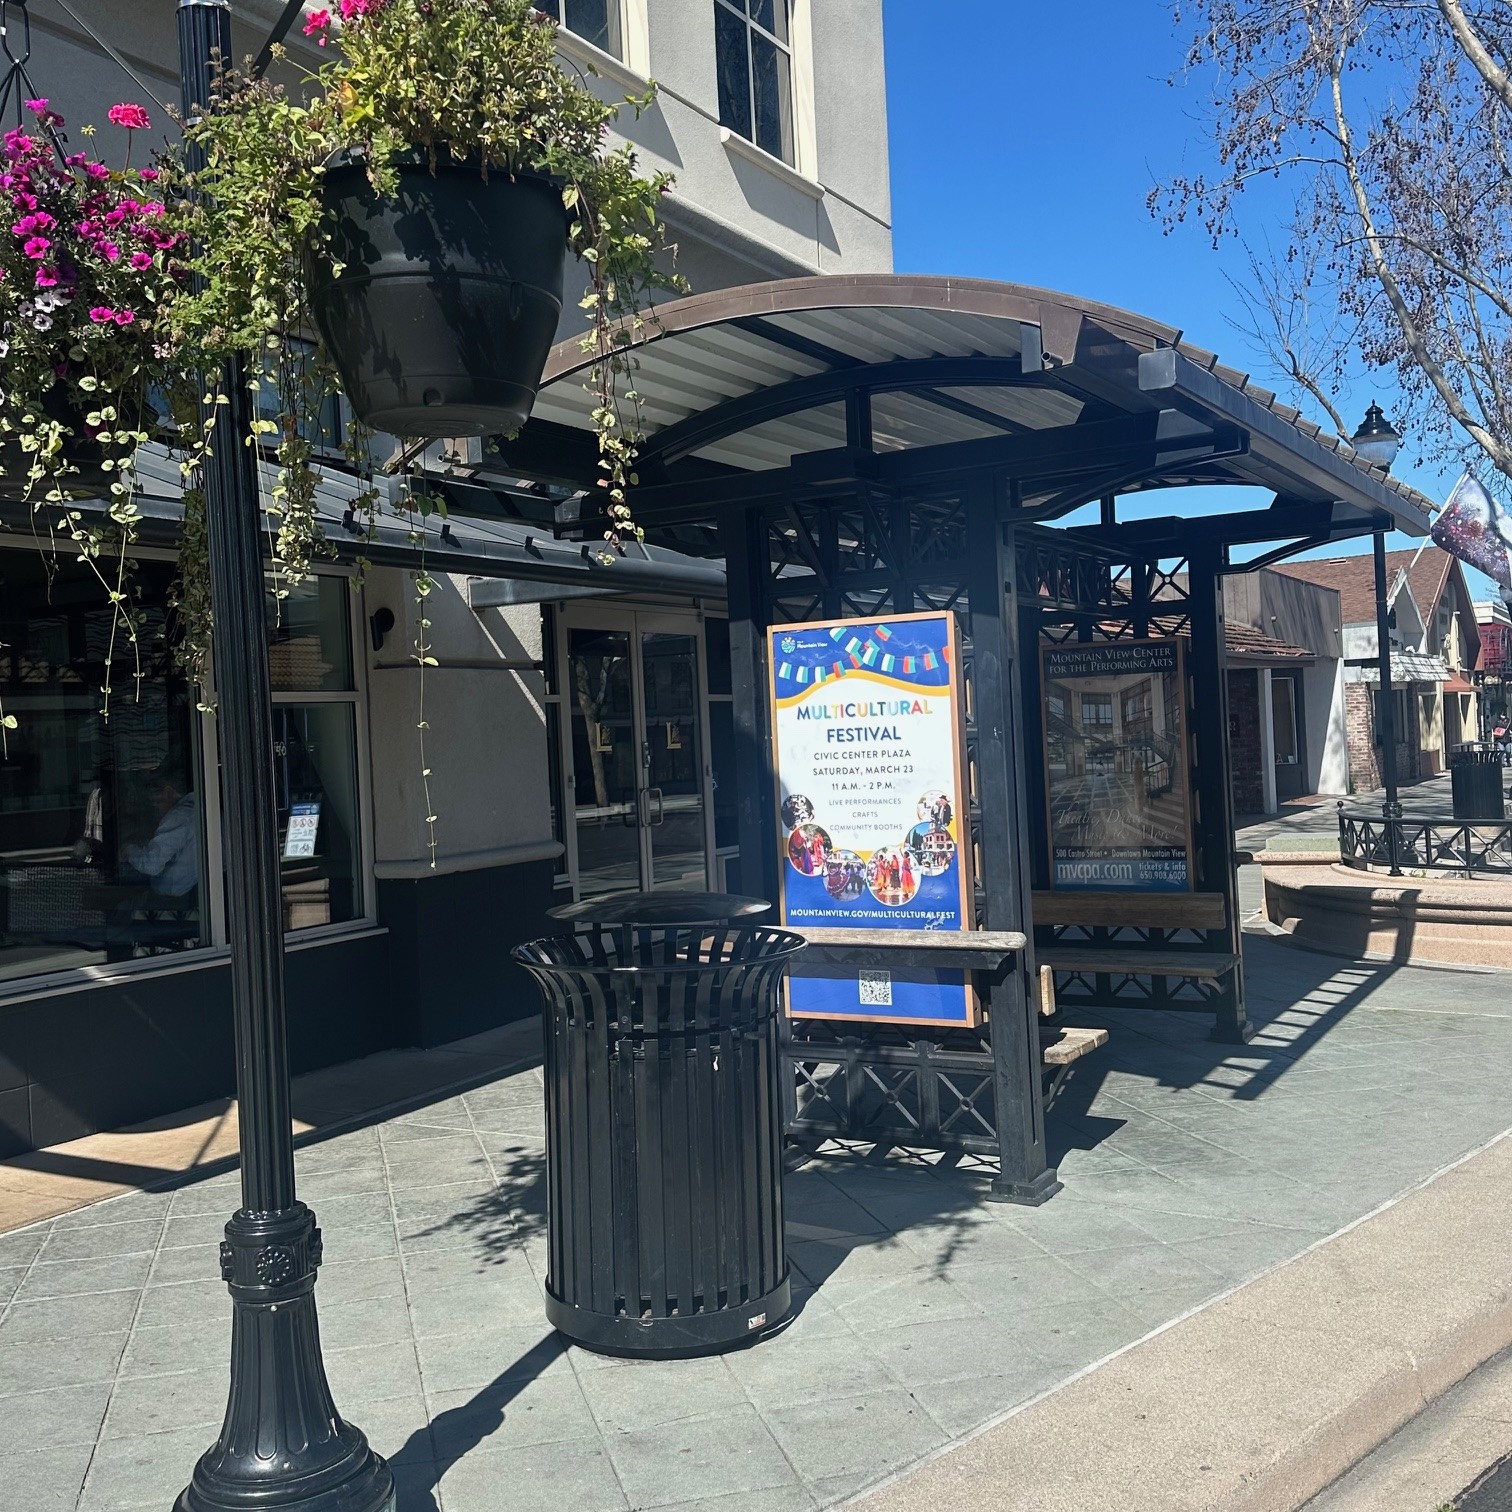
1427 571
1248 644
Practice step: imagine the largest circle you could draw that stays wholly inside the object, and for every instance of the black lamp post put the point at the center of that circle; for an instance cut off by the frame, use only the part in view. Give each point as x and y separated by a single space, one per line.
283 1446
1378 443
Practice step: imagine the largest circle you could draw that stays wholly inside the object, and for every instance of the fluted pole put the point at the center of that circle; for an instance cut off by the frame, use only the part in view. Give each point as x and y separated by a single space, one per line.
283 1446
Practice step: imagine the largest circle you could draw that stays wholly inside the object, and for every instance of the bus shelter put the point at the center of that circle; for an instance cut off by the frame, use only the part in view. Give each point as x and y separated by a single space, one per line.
888 457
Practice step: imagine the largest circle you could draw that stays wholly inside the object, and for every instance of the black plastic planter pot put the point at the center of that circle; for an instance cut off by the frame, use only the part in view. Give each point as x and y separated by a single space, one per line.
446 305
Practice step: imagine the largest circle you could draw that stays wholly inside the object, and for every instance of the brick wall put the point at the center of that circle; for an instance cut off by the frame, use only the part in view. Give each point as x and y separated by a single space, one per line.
1245 779
1364 757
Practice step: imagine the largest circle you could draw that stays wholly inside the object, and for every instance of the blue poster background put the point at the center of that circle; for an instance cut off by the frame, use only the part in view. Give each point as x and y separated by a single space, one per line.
866 732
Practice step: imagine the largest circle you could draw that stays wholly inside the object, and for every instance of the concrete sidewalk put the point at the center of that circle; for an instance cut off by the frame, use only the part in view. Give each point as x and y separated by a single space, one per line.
924 1312
1257 1402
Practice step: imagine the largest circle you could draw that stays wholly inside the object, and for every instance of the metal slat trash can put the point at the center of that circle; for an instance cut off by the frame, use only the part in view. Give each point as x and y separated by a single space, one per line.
1475 778
663 1136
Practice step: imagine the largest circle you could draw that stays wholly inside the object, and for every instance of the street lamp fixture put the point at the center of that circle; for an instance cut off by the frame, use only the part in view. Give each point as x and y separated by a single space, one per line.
1376 441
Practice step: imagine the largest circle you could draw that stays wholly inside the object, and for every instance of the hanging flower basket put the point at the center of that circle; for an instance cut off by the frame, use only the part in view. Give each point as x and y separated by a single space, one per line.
438 301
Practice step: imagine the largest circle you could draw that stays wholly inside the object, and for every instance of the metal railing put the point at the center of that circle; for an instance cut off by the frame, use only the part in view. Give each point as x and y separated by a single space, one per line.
1372 840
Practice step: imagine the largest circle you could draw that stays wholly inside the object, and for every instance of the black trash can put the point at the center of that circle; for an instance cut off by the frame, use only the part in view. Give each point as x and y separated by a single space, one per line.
663 1136
1475 775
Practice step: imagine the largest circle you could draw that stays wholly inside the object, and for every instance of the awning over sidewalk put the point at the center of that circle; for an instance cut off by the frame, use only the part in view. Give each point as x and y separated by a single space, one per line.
1406 667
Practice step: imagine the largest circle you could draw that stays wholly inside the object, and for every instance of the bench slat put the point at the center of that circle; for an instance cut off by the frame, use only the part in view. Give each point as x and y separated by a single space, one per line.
1071 1046
1194 910
1206 965
990 941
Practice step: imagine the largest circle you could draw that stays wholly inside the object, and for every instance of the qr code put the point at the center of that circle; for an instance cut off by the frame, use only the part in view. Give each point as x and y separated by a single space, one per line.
876 989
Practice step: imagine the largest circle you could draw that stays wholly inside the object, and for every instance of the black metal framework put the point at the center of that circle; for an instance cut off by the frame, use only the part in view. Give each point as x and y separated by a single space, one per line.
864 551
1373 840
1069 589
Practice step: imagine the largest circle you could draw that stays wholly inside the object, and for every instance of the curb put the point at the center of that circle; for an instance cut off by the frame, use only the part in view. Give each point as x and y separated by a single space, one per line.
1262 1398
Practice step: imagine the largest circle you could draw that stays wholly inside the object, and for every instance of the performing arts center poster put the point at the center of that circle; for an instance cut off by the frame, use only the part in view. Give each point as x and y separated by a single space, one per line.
866 726
1116 766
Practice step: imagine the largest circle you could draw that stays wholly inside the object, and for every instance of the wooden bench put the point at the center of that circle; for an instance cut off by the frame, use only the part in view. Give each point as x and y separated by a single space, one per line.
1198 912
1133 910
978 949
1060 1049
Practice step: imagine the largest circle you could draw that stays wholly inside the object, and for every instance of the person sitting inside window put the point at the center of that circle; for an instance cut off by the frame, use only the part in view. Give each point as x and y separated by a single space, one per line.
169 861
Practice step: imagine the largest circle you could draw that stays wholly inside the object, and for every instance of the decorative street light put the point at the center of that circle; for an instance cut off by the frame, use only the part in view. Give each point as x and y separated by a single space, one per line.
283 1446
1378 442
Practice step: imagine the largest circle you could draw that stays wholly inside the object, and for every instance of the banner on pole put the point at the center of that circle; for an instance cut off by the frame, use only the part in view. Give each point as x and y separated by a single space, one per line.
872 833
1477 529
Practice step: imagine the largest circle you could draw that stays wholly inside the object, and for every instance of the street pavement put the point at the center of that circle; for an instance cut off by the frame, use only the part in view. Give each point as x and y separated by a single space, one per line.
923 1311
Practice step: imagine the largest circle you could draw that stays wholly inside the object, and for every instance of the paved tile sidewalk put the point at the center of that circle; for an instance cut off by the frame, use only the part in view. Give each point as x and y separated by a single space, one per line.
923 1310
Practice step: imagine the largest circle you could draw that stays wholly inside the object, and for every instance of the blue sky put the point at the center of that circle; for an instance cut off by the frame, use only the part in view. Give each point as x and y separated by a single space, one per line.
1024 141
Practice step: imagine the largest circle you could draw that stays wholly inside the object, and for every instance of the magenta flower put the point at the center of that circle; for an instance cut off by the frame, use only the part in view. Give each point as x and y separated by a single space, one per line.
141 260
350 9
125 317
102 314
132 117
148 175
97 170
37 247
317 25
37 107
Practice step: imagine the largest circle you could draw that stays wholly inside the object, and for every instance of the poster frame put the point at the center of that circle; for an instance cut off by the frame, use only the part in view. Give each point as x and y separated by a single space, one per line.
956 689
1183 729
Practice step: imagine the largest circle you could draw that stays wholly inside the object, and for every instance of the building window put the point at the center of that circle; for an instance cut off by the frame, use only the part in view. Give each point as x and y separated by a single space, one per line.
595 21
101 825
316 771
753 52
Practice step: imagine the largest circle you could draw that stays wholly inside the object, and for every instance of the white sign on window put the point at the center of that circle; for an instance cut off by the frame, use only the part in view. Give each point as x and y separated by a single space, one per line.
304 823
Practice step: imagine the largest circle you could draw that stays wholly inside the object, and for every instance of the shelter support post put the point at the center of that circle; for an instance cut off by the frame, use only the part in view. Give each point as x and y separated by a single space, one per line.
1023 1174
1386 730
1214 805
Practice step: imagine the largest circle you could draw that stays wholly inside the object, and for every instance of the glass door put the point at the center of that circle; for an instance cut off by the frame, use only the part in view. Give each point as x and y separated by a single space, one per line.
637 775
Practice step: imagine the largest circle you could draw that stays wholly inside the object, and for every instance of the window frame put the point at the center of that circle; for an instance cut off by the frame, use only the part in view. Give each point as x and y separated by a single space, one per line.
205 740
792 157
357 697
614 11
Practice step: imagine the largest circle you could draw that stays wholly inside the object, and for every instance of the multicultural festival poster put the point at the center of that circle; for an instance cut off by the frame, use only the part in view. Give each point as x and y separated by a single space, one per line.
866 728
1116 767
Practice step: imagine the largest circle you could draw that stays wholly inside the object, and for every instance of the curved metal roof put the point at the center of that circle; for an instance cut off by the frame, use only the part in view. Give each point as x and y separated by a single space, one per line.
745 380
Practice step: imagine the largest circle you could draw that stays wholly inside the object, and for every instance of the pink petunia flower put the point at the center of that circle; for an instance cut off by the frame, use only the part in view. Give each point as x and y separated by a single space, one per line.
125 317
36 247
37 107
148 175
108 250
47 278
97 170
102 314
317 24
132 117
140 260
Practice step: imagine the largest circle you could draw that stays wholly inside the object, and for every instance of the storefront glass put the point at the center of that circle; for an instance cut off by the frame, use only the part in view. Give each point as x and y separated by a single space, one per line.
101 829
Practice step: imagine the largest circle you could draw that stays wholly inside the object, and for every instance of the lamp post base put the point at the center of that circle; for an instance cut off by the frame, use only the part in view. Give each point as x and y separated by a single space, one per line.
283 1446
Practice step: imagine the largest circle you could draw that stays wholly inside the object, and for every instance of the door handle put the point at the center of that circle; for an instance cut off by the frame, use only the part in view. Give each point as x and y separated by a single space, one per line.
661 807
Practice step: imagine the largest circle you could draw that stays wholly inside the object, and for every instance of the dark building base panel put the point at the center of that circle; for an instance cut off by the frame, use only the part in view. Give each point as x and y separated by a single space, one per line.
76 1062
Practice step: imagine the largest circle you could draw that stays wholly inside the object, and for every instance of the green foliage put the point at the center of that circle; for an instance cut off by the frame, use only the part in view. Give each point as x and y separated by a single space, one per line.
462 81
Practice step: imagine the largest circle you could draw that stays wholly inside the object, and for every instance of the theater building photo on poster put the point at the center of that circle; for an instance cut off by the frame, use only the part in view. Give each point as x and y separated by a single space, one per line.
1115 766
